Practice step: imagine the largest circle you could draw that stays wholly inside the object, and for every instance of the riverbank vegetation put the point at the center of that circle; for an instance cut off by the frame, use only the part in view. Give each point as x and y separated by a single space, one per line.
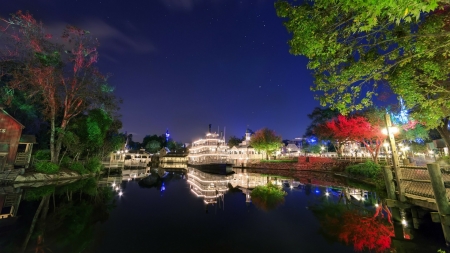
268 197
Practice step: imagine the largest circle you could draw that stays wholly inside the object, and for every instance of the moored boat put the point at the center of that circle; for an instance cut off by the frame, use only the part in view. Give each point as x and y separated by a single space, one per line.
210 154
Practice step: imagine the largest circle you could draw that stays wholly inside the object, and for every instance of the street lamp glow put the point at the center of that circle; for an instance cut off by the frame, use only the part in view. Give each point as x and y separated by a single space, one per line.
392 130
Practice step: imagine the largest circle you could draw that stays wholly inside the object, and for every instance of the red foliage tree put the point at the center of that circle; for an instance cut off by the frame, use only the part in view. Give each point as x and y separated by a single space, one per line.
362 231
62 77
353 128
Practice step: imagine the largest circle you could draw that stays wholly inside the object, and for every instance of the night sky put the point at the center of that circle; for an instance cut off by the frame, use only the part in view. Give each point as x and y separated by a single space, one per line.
184 64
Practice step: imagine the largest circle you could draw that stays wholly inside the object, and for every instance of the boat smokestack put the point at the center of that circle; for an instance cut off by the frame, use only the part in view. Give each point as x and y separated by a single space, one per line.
209 128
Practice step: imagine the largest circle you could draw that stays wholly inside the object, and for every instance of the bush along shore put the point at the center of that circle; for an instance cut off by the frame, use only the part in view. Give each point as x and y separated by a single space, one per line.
368 173
44 170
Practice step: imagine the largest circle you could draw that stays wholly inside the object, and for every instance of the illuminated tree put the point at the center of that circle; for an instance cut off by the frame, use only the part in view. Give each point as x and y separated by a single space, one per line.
354 128
360 49
61 77
266 140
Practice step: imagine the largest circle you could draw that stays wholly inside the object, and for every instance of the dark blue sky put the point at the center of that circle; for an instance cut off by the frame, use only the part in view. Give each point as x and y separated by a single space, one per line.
184 64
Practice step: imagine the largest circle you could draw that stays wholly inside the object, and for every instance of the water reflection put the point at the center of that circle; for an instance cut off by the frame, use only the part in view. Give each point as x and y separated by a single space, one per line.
62 221
63 218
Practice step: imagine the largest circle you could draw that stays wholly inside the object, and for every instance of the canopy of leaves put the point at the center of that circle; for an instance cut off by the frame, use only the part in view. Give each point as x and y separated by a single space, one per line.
319 116
266 140
357 48
234 141
153 146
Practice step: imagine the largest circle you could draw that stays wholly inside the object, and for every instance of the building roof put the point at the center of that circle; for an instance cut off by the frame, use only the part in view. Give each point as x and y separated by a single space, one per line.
27 139
1 109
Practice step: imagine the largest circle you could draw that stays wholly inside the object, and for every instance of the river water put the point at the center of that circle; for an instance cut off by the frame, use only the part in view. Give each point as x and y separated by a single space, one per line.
193 211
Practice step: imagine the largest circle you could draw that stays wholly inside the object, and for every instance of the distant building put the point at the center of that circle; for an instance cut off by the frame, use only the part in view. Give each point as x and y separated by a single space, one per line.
244 153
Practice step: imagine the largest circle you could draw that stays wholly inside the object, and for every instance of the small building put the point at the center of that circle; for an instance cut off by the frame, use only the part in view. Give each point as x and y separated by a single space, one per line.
10 132
244 153
169 160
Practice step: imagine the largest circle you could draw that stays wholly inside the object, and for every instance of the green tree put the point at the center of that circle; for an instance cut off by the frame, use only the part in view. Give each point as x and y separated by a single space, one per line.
319 116
234 141
63 78
361 49
153 146
266 140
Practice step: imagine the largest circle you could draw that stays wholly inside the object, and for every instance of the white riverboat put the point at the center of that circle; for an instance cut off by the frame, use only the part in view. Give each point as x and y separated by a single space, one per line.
210 154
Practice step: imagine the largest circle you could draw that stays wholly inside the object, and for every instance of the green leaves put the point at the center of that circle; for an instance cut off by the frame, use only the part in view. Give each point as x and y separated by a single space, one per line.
357 47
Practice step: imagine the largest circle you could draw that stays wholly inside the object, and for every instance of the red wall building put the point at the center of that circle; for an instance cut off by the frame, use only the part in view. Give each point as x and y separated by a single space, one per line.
10 132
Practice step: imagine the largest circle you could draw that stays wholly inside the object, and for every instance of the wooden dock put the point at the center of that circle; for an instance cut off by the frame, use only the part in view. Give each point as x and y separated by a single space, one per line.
8 176
410 187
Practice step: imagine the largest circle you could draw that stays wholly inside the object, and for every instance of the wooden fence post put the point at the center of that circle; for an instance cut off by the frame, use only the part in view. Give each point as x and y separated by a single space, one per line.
441 198
389 181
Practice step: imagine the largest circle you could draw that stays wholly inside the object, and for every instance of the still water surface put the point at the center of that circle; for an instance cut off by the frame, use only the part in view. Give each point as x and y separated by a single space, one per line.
167 215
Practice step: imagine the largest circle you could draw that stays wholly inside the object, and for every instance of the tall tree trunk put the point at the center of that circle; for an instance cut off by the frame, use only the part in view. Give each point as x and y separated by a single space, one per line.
443 131
52 136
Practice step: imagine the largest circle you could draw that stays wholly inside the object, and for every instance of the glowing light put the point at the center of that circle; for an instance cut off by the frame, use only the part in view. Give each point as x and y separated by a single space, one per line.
392 130
291 186
117 188
376 205
327 194
114 184
404 222
120 193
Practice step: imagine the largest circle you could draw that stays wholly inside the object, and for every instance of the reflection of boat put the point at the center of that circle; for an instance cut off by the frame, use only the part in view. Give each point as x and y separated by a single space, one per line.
208 186
210 154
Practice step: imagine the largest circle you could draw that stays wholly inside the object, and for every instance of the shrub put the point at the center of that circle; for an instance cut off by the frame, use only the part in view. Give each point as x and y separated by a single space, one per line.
368 169
78 167
93 165
46 167
43 154
268 197
445 160
65 162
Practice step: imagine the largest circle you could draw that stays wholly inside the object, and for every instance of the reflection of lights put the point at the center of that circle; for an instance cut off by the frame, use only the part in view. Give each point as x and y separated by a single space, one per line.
291 186
317 191
404 222
129 179
120 193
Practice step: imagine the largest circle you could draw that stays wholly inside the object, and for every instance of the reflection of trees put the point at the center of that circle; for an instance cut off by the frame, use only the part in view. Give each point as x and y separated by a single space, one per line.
68 225
267 197
364 229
